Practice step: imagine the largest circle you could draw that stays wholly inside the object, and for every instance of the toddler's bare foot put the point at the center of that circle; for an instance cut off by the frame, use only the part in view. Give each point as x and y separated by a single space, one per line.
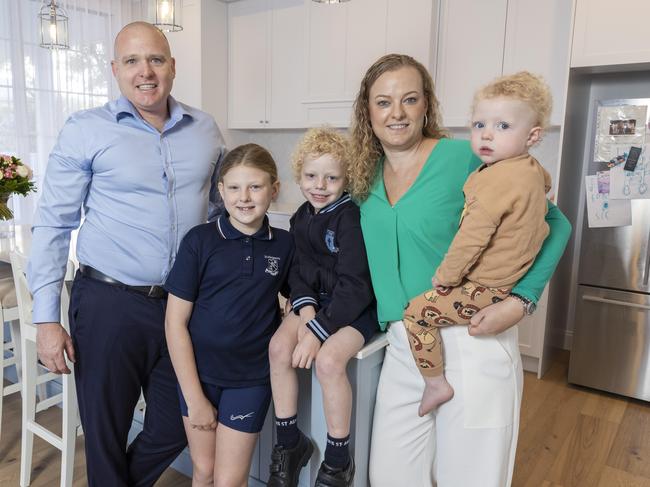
436 391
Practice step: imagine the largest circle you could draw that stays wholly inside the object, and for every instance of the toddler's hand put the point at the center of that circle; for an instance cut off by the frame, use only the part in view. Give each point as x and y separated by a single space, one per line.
435 283
203 415
306 351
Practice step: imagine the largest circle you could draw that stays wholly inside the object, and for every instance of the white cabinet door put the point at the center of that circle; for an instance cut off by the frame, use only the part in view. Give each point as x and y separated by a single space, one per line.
366 40
538 40
470 53
286 65
409 28
608 33
247 56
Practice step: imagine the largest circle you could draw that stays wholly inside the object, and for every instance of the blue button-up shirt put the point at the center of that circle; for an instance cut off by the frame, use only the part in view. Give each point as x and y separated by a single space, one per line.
141 190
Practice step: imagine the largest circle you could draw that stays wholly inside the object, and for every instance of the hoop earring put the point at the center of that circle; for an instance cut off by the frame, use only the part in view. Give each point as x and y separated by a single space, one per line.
426 120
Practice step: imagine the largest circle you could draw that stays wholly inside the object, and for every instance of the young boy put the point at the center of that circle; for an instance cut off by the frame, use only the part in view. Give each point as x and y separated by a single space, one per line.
502 226
333 314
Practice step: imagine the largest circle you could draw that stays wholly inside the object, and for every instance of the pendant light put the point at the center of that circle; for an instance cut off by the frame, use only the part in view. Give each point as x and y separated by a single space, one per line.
54 26
168 13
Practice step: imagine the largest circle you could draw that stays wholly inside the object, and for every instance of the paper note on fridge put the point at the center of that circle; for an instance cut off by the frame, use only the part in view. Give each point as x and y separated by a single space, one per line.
603 211
631 185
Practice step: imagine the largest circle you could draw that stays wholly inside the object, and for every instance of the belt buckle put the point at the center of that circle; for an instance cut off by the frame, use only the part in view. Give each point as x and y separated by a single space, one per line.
153 292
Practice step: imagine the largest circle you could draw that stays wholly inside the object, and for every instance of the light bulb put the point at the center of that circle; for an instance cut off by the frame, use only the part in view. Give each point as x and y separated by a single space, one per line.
164 11
53 31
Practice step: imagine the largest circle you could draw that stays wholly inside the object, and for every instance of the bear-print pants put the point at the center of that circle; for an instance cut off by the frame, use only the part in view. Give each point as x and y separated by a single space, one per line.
440 307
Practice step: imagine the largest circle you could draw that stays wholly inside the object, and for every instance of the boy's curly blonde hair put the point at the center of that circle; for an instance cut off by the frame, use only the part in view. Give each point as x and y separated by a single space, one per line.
524 86
318 142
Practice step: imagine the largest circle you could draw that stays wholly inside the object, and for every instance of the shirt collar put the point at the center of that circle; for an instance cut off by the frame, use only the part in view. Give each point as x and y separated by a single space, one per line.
228 232
124 108
334 205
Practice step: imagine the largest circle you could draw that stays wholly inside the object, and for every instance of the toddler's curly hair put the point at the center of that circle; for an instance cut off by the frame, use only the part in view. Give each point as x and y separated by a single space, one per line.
525 86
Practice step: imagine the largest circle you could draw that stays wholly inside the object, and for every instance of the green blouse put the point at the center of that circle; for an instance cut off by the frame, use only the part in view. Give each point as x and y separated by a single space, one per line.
406 242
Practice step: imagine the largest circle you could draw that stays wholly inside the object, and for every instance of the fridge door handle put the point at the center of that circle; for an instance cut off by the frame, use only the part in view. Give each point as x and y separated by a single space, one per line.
614 301
646 271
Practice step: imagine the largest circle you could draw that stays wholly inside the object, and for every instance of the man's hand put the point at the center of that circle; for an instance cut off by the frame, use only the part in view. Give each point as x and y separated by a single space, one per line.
306 351
51 341
496 318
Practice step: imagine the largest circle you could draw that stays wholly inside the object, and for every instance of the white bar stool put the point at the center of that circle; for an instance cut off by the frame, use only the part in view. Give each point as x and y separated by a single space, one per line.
31 377
9 313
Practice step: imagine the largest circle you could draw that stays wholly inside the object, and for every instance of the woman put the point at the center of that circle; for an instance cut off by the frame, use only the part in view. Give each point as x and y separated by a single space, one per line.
409 176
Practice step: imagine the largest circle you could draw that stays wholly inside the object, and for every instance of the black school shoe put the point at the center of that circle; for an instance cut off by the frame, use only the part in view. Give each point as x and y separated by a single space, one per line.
330 477
286 463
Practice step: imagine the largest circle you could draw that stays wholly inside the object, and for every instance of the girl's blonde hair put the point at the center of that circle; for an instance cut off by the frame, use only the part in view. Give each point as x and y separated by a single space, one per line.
252 155
523 86
365 145
318 142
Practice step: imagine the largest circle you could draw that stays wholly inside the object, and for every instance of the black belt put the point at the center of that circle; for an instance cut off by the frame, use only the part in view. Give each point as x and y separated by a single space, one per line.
156 292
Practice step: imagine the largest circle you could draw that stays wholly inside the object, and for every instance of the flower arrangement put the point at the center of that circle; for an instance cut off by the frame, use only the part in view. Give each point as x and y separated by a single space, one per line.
14 178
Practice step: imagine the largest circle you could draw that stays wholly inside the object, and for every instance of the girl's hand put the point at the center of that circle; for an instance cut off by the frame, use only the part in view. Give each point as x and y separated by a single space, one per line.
435 283
496 318
306 351
202 415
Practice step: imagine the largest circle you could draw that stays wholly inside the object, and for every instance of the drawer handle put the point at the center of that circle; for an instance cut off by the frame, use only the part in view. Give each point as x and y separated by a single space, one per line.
615 301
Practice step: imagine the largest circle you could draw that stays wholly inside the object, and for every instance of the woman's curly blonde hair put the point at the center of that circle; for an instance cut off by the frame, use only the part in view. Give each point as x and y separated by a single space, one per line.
523 86
320 141
366 147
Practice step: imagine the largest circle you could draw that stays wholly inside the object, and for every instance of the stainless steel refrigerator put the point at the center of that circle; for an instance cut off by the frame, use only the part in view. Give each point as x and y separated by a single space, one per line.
611 340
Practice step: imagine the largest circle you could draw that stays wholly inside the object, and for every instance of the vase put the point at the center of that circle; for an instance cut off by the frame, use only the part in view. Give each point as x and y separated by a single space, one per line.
5 211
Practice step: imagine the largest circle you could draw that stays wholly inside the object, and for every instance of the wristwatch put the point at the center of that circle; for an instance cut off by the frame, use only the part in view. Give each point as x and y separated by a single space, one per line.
529 306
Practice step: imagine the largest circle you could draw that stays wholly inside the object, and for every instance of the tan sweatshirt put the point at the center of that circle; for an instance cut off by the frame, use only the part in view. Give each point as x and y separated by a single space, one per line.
502 226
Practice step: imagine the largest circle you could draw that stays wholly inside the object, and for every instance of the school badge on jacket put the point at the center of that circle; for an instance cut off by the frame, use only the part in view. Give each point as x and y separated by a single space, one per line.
329 241
272 265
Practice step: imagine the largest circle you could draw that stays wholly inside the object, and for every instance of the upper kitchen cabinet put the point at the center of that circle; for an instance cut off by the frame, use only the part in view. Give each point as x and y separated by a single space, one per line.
478 41
345 39
265 61
608 33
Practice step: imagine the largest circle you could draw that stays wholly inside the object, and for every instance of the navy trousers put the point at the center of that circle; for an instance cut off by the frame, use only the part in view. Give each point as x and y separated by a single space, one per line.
119 340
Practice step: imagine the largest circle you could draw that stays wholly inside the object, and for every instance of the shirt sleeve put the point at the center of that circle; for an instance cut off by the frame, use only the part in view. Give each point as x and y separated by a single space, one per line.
215 205
352 293
532 284
65 186
472 238
184 280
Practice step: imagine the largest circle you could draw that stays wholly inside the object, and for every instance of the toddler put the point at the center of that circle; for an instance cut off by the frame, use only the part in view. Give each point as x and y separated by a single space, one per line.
502 226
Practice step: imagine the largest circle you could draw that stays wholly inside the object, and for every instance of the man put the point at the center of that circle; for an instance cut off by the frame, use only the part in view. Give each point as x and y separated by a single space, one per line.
143 168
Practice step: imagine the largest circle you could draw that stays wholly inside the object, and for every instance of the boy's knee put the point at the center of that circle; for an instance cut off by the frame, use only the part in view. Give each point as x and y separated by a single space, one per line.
328 365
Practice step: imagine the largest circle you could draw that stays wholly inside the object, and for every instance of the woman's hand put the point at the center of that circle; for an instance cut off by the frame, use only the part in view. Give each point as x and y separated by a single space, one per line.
306 351
202 415
496 318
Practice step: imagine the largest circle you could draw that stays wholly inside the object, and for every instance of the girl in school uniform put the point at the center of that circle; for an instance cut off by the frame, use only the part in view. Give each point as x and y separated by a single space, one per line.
221 313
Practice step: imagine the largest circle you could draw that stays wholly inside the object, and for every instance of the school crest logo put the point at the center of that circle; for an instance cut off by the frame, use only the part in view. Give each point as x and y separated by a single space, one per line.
330 241
272 265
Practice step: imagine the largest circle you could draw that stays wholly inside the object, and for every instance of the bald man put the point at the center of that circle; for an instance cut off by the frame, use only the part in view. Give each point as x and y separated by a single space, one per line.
143 169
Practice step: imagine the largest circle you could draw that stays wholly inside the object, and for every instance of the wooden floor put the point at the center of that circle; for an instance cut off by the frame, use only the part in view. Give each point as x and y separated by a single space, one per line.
569 437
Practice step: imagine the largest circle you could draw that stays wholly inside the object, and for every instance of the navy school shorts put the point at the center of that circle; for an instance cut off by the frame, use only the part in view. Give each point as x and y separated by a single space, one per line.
240 408
366 323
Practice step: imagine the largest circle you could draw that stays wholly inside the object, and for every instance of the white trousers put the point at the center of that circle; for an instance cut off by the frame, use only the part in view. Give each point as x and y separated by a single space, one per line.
470 441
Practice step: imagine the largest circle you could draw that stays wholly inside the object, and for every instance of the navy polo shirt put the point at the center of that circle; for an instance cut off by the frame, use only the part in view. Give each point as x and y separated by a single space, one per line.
233 280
